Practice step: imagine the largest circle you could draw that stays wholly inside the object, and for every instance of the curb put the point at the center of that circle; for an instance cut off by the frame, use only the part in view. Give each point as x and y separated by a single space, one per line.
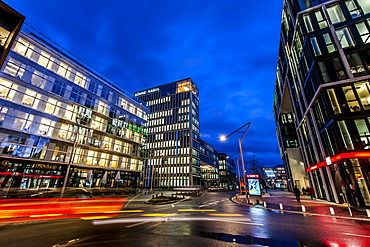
299 212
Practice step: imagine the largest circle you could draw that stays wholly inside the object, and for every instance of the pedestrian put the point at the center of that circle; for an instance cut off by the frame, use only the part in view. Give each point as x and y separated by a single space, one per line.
267 188
297 193
303 191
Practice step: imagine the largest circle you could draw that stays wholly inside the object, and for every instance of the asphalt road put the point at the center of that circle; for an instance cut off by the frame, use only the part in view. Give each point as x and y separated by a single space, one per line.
210 220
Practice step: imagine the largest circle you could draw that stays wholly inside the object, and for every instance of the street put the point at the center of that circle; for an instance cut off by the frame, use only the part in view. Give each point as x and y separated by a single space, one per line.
209 220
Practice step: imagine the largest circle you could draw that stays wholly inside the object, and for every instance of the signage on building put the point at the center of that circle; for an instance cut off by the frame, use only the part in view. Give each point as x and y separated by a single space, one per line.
270 173
253 176
153 90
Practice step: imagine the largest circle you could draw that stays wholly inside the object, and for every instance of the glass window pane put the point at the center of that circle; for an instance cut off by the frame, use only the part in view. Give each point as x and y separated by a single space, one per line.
365 5
308 24
353 9
345 38
315 46
335 14
364 32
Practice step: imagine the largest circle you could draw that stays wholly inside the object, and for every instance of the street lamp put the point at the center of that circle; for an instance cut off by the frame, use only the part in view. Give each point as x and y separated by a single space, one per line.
240 141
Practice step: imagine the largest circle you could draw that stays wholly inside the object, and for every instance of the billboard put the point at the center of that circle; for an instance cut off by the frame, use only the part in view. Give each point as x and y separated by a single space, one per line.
254 186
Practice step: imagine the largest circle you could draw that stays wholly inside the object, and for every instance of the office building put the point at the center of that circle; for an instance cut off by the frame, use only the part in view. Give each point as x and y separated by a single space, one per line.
56 112
227 172
322 98
173 141
209 167
275 176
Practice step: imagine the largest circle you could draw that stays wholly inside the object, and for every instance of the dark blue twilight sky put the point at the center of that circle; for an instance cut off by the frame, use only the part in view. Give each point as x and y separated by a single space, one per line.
228 47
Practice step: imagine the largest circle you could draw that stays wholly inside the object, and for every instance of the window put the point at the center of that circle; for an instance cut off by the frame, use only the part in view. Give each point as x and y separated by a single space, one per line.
52 106
7 89
363 92
329 43
321 20
352 102
31 99
335 14
80 79
364 31
353 9
334 101
24 48
15 68
23 121
64 70
307 23
347 140
363 131
3 111
39 79
46 127
315 46
338 68
45 60
58 88
357 67
365 5
345 38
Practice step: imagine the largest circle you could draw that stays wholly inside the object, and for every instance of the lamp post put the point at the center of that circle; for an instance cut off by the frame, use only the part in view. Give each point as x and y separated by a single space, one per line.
73 153
240 141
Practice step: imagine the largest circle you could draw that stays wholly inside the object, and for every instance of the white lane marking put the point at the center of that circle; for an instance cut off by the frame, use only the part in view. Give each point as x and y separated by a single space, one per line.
358 235
201 206
137 224
75 241
216 201
172 205
131 200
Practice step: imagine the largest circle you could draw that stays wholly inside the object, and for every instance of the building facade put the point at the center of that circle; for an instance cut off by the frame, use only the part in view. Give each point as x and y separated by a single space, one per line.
227 172
209 167
173 135
322 98
275 177
56 112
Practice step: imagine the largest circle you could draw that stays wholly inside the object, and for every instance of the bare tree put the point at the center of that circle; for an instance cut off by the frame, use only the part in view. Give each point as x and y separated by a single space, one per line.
253 166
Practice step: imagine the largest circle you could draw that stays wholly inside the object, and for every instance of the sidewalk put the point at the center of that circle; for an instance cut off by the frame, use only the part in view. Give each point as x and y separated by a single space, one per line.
313 207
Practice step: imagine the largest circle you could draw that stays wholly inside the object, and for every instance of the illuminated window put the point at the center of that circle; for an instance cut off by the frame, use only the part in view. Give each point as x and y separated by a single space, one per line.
329 43
357 67
31 99
24 48
352 102
45 60
307 23
365 5
353 9
80 79
345 38
52 106
46 127
364 31
335 14
7 89
321 20
23 121
334 101
363 92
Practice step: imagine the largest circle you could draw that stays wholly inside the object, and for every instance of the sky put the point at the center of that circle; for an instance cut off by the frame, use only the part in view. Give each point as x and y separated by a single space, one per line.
228 47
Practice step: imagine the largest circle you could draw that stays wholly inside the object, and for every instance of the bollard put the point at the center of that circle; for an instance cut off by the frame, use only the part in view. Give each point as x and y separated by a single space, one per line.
281 206
254 203
161 194
303 208
331 211
368 212
264 204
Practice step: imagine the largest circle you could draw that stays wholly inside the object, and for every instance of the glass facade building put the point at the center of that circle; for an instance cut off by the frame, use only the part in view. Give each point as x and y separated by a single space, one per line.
57 112
173 143
227 172
209 167
322 98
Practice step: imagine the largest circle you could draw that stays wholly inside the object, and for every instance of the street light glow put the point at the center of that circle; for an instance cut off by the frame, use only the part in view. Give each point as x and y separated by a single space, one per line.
223 138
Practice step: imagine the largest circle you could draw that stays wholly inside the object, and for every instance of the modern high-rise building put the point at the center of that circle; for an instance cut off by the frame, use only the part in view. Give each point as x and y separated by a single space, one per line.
56 113
209 167
322 98
227 171
173 141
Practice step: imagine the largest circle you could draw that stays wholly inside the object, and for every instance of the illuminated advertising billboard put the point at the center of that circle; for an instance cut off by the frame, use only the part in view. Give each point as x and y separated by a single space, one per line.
254 186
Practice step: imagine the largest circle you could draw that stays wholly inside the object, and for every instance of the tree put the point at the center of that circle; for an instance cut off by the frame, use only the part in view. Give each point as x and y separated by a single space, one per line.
253 166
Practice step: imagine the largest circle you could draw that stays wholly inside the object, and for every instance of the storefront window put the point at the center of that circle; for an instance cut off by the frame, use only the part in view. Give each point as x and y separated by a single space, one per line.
360 180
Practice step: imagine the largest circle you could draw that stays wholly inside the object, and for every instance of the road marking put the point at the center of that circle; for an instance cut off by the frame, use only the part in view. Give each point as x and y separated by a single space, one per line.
226 215
131 200
172 205
358 235
45 215
201 206
74 241
125 211
196 210
96 217
156 214
137 224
